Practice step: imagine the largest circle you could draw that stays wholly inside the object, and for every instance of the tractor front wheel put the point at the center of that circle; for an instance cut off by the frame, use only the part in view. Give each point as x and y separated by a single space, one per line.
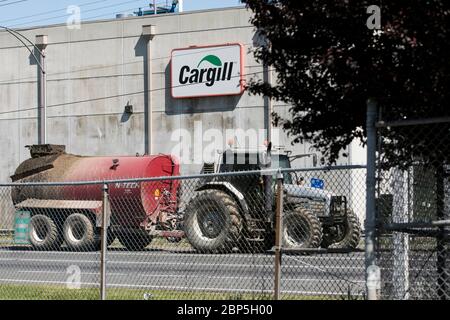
343 236
301 229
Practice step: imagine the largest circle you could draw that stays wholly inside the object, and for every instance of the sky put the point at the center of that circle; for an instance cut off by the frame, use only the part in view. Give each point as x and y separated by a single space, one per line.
26 13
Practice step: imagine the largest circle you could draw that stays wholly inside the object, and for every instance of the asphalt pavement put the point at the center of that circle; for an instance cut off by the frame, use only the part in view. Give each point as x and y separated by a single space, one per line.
316 275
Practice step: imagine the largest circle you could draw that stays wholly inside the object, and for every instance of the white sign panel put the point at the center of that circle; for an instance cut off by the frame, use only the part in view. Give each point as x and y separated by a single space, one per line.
207 71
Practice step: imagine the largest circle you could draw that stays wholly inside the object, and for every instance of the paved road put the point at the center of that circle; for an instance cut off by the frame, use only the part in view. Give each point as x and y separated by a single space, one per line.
330 274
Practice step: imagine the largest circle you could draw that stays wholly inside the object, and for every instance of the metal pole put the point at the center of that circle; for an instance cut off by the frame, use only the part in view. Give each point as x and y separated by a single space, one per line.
43 102
22 39
149 32
372 270
41 43
442 213
268 103
154 7
400 213
149 98
104 245
278 231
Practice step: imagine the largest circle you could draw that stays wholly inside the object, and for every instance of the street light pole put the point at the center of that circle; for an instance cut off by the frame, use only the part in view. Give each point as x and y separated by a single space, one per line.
41 43
39 48
20 37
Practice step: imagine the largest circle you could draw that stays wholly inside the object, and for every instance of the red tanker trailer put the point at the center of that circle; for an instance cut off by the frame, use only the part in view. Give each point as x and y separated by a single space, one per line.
70 214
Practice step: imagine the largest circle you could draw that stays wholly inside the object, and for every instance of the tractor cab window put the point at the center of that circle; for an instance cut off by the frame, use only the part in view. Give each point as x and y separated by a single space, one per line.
280 161
249 185
232 162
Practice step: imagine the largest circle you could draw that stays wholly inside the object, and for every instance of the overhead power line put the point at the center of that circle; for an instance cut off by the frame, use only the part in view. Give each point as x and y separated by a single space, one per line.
19 81
68 15
51 11
120 95
10 3
26 23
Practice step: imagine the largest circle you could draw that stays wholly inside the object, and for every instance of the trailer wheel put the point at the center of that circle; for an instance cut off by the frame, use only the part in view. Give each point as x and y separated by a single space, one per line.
79 232
213 222
134 240
345 236
44 233
301 229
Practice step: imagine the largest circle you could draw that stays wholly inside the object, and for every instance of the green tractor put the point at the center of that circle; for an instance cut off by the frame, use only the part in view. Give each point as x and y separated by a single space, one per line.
238 211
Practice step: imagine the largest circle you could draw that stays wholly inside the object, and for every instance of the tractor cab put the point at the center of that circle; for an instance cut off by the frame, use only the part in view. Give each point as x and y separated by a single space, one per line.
255 159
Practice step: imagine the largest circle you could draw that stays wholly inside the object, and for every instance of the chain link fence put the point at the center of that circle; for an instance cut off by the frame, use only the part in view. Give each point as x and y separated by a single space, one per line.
260 234
211 236
413 192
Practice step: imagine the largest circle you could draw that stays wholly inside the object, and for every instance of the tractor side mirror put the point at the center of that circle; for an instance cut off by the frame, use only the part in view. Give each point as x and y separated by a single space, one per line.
315 160
300 181
266 159
266 156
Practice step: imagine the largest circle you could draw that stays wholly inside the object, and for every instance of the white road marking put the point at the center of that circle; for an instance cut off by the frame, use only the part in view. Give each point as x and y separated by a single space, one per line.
177 276
109 261
182 254
63 272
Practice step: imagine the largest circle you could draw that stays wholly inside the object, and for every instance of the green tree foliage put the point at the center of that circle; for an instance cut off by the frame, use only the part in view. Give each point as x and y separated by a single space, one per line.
328 62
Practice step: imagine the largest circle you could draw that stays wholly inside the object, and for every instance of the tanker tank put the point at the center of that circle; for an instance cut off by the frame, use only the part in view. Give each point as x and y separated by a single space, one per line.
134 206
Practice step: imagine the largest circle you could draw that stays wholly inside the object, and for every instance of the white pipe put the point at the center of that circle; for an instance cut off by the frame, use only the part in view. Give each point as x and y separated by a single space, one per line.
41 43
43 99
180 5
149 32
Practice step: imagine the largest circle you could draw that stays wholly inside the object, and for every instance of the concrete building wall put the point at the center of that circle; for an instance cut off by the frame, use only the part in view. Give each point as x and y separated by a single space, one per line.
94 72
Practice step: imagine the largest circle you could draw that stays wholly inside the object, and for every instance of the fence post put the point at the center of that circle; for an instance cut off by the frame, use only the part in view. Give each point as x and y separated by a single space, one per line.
442 213
104 245
278 232
372 270
400 214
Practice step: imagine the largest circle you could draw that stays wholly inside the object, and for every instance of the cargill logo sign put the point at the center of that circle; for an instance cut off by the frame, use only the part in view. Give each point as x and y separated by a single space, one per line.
207 71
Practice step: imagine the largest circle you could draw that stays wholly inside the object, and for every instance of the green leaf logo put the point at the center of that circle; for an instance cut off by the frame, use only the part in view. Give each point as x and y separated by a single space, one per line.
211 59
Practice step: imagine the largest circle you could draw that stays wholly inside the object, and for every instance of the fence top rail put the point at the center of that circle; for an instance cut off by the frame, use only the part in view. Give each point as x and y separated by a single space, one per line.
413 122
186 177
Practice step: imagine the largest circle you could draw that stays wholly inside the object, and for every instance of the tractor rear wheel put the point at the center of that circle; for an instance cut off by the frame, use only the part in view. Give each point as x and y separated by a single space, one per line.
301 229
212 222
44 233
